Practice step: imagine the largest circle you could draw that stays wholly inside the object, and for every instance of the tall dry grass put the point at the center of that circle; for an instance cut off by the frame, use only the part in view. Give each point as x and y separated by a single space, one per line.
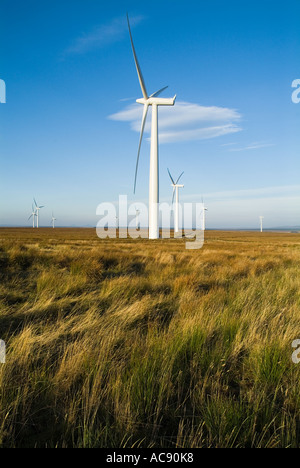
114 343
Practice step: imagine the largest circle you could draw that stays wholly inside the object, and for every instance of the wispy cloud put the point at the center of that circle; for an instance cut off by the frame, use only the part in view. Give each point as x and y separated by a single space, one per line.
102 35
185 121
282 191
253 146
228 144
127 99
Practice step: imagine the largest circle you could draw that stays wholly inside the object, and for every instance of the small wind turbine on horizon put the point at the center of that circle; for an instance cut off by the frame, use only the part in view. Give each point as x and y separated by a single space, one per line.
261 223
37 209
33 215
204 216
153 101
176 188
53 220
137 218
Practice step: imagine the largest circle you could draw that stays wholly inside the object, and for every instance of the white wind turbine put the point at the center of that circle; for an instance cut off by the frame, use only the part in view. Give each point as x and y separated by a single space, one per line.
153 101
204 216
137 218
33 215
37 209
261 223
176 188
53 220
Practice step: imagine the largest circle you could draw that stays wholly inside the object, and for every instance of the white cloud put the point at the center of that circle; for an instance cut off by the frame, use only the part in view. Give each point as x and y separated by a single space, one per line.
283 191
185 121
253 146
102 35
198 133
228 144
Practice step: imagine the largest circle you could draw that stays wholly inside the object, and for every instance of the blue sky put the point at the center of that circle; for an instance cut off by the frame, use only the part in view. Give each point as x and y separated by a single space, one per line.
70 127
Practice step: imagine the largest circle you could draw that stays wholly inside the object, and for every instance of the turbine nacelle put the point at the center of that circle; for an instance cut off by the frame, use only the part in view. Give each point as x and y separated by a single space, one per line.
157 101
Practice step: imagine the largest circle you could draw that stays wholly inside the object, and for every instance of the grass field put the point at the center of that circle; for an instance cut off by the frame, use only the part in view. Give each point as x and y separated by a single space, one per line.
116 343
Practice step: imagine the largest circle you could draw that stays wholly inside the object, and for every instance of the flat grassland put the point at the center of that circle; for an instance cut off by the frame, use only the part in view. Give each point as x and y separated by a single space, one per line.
123 343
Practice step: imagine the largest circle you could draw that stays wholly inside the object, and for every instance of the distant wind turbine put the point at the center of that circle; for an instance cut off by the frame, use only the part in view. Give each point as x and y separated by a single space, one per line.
261 223
37 209
176 188
137 218
153 101
33 215
204 216
53 221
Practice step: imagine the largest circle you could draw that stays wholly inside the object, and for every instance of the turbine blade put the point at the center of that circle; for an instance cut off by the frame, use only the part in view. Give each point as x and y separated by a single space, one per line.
140 143
138 68
174 189
171 178
29 217
35 202
41 207
158 92
179 178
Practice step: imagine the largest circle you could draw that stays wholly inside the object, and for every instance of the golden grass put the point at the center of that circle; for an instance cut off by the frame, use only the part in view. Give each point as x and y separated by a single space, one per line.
122 343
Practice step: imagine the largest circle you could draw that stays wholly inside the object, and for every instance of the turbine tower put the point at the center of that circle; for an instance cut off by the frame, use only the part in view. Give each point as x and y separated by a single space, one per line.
153 101
37 209
261 223
53 221
176 188
33 214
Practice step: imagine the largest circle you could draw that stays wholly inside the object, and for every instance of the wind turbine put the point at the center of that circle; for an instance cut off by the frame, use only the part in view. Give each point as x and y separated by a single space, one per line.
33 214
153 101
204 215
37 209
176 188
137 218
261 223
53 221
